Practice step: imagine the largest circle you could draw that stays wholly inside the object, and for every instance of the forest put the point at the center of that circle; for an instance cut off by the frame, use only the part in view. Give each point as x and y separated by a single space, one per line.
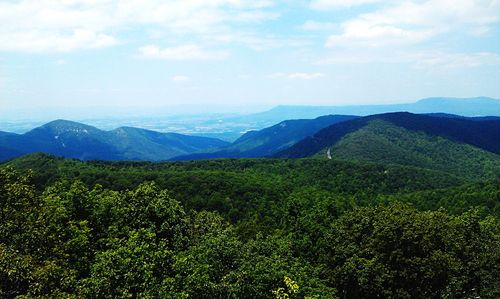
247 228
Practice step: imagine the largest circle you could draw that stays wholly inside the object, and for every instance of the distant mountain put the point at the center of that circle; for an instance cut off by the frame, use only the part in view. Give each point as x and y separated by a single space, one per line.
455 145
161 144
476 118
478 106
76 140
270 140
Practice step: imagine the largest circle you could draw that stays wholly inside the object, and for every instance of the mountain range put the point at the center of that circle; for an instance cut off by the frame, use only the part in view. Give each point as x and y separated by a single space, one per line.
484 134
76 140
230 126
457 145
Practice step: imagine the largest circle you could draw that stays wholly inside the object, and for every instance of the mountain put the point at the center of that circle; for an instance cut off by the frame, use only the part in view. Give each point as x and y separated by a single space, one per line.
142 144
8 153
478 106
475 118
270 140
455 145
76 140
231 126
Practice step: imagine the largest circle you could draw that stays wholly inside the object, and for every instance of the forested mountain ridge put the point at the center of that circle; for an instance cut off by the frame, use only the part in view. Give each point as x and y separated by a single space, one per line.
270 140
383 142
291 173
76 140
482 134
278 138
455 145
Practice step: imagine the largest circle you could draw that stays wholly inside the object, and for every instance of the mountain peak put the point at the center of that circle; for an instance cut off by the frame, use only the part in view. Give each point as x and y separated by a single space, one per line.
64 123
61 126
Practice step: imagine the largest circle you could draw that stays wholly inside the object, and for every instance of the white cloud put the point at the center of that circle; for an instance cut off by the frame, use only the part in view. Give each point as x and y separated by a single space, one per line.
305 76
300 76
412 22
329 4
314 26
183 52
180 78
366 33
68 25
37 41
414 33
360 56
256 41
479 30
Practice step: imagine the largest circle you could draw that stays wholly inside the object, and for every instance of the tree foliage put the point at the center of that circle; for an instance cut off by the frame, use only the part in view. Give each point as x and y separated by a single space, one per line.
246 229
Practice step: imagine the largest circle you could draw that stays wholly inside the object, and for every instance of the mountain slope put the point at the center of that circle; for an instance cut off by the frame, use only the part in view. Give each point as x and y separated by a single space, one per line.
270 140
71 139
8 153
76 140
457 146
384 142
139 144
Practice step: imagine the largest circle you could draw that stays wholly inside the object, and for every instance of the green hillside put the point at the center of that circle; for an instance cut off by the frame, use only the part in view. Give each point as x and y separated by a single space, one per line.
383 142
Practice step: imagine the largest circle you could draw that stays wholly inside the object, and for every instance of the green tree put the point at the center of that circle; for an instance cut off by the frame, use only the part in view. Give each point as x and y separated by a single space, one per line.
399 252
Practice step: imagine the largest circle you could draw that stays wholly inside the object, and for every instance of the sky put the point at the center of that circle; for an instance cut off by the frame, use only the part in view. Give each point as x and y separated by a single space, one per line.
208 55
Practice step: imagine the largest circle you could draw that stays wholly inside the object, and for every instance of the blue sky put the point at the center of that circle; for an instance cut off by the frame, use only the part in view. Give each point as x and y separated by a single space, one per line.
209 54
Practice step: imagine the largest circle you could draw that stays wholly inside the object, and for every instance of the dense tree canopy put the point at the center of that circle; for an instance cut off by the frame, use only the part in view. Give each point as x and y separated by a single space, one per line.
245 229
